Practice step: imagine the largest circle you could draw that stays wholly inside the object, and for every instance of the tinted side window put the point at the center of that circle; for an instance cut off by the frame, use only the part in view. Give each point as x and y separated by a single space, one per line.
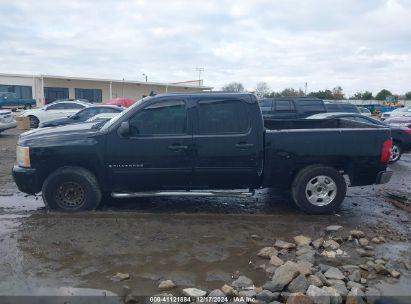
72 106
349 108
223 116
308 106
331 107
57 106
284 105
162 118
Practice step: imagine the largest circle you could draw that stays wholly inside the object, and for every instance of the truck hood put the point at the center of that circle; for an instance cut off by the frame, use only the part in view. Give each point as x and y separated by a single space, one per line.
62 135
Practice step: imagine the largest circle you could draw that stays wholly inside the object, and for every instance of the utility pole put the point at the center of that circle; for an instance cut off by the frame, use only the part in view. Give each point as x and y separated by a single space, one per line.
199 70
145 76
306 85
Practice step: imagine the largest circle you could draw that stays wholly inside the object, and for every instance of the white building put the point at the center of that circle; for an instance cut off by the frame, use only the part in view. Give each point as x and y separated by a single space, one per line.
47 88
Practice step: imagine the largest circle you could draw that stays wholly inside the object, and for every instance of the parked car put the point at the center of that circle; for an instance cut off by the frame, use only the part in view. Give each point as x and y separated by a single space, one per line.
401 136
397 112
81 116
341 107
9 99
121 102
7 120
189 144
404 120
72 99
53 111
102 117
290 107
364 111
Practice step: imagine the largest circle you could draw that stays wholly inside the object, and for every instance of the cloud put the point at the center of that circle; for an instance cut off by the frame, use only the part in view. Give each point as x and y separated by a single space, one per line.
360 45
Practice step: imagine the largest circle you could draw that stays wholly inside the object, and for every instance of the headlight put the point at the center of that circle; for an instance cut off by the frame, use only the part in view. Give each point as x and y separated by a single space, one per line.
23 156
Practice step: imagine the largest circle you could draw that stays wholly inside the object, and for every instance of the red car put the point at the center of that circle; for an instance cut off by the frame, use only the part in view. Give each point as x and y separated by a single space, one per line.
121 102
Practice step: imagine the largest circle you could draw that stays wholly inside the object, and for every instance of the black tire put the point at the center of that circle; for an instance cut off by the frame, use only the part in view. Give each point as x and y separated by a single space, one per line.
396 152
34 122
71 189
322 199
27 106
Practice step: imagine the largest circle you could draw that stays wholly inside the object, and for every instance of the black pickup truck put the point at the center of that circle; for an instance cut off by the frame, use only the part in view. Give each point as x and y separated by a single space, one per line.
205 144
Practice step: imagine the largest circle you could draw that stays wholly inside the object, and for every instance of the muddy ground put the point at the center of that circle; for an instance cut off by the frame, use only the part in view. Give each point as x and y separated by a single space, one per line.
196 242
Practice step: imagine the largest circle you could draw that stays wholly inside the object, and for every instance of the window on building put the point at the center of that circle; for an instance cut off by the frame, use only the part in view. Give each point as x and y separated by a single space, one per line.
24 92
52 94
93 95
223 116
160 118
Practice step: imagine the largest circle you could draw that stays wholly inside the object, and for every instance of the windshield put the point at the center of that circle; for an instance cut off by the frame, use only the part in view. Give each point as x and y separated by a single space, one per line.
120 115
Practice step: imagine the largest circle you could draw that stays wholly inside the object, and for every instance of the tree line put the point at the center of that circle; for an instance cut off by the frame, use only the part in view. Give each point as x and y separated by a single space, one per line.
262 90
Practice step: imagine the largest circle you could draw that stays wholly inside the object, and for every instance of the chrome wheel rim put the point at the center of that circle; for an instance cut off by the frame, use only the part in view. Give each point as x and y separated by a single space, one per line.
321 190
70 195
395 153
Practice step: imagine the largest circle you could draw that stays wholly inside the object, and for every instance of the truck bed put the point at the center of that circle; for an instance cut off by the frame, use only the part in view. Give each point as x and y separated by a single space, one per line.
352 147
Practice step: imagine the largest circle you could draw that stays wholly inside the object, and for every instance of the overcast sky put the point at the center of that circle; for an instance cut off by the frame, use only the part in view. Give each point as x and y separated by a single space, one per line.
357 44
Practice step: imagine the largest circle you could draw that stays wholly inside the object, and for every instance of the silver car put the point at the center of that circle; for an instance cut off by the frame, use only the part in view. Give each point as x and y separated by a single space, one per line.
7 120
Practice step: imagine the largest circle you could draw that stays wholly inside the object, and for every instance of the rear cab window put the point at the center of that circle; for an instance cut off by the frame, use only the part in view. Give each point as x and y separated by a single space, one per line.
225 116
311 106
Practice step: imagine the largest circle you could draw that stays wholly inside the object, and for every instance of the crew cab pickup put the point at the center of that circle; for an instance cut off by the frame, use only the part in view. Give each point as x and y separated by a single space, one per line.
200 144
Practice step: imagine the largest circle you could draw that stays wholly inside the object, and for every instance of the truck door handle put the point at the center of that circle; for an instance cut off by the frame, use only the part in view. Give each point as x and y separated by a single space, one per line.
244 146
177 147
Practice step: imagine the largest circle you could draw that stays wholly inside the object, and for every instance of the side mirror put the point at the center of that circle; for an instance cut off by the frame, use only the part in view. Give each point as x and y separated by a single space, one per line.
124 129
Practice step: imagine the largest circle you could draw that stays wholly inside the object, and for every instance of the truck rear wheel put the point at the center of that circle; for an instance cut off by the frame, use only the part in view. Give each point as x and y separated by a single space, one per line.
318 189
71 189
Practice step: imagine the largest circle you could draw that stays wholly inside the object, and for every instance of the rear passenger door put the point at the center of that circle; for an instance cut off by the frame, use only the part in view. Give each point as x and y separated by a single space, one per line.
284 109
225 144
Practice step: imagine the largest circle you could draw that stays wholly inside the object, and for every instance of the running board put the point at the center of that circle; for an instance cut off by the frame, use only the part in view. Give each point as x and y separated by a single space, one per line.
182 193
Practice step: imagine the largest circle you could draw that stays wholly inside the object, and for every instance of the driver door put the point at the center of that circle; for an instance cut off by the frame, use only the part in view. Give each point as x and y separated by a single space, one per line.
157 153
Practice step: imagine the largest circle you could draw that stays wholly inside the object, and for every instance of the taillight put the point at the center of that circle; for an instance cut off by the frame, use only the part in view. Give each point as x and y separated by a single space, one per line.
386 151
408 131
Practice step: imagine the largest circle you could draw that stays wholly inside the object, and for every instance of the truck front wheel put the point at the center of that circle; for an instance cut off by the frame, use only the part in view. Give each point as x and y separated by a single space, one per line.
71 189
318 189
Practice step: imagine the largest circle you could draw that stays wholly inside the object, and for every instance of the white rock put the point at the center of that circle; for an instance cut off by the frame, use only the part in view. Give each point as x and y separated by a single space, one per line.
194 292
302 240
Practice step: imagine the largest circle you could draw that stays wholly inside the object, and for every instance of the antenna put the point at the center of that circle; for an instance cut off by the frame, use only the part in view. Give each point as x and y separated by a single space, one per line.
199 70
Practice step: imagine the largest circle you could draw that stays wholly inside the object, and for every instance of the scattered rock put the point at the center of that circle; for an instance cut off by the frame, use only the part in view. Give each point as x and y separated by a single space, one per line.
395 274
340 288
335 297
379 261
372 295
276 261
267 296
243 282
357 234
304 267
314 280
352 285
304 250
380 269
299 284
375 240
333 228
355 276
307 257
216 293
247 294
270 270
256 237
228 290
302 240
318 243
299 298
350 268
334 273
363 281
317 295
324 267
321 276
130 299
284 245
355 297
120 277
331 244
363 241
194 292
167 284
284 275
267 252
364 253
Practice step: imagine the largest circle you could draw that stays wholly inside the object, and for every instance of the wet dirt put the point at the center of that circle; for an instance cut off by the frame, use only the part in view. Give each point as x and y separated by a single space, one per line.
196 242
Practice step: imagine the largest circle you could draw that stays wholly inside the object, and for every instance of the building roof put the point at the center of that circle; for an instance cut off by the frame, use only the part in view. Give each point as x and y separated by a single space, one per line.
177 84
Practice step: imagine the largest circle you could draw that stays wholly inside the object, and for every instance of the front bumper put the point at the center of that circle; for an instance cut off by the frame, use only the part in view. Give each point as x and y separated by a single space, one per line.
6 126
383 177
26 179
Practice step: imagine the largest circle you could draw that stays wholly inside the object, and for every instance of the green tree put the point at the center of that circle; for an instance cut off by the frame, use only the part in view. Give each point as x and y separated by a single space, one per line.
327 94
338 93
383 94
234 87
362 96
408 95
291 92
